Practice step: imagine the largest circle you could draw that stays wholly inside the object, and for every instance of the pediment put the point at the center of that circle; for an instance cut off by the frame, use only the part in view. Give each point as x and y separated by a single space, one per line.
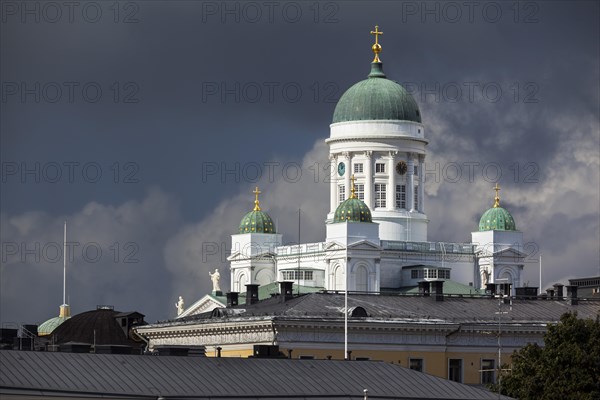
238 255
334 246
205 304
509 252
364 245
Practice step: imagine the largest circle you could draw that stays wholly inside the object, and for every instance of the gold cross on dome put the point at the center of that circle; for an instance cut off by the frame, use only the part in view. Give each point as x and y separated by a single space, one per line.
256 203
376 47
497 198
376 32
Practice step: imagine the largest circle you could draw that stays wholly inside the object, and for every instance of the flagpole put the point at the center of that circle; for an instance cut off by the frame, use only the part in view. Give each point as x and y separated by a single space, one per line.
346 317
65 265
299 250
540 273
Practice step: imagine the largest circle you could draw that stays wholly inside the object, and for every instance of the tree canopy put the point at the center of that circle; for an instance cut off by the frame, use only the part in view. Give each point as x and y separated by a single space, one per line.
567 367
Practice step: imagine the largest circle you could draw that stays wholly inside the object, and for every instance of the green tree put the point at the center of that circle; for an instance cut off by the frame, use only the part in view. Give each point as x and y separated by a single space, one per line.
567 367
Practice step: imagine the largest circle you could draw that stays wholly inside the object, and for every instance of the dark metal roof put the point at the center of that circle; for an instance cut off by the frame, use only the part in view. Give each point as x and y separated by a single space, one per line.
96 326
69 374
454 309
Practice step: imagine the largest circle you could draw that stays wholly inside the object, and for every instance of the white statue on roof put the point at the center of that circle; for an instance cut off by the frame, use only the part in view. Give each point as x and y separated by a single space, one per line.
215 277
180 305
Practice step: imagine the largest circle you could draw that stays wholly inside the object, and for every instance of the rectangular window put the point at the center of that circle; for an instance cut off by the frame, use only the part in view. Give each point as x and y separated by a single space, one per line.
358 168
360 191
444 274
342 193
400 196
380 168
488 371
416 274
380 195
416 364
293 275
416 197
455 370
431 273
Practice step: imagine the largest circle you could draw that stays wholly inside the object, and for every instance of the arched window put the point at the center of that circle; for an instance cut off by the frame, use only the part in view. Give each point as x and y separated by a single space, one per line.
338 278
362 278
242 281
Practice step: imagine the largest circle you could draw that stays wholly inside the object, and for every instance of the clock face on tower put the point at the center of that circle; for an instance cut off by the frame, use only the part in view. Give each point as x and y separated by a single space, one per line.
341 168
401 168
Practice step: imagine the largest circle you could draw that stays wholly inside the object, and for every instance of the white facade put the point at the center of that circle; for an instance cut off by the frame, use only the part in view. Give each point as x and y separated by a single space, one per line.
372 152
500 256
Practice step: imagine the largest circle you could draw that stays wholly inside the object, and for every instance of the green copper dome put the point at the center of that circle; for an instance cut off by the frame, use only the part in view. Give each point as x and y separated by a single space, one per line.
497 219
376 98
353 210
257 221
49 326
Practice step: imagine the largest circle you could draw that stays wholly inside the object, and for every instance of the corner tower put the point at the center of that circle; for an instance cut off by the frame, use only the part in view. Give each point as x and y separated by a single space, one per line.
377 135
499 247
253 249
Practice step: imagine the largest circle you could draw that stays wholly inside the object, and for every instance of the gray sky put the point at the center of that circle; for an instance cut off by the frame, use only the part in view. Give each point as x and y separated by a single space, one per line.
147 124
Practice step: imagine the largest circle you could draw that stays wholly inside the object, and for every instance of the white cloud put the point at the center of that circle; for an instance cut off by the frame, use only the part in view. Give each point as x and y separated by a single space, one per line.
106 240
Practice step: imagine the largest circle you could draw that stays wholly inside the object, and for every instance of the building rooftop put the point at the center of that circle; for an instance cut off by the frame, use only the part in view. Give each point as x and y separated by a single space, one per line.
408 308
126 376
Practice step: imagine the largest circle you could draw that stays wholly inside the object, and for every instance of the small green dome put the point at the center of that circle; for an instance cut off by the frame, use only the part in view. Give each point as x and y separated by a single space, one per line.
497 219
257 222
49 326
352 210
376 98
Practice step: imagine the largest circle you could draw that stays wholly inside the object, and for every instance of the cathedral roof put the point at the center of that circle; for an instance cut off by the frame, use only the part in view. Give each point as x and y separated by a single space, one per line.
497 218
352 210
257 221
376 98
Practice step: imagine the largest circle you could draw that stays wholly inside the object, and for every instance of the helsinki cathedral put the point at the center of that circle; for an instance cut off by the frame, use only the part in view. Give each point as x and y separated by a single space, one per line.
376 228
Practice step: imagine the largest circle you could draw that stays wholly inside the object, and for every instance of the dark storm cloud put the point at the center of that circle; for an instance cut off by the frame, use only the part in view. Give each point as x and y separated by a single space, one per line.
186 85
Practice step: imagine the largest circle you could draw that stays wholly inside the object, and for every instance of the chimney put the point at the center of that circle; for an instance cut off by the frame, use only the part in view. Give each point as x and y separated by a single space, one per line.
558 288
287 291
550 293
251 293
505 289
438 289
491 287
527 292
424 288
232 299
572 295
